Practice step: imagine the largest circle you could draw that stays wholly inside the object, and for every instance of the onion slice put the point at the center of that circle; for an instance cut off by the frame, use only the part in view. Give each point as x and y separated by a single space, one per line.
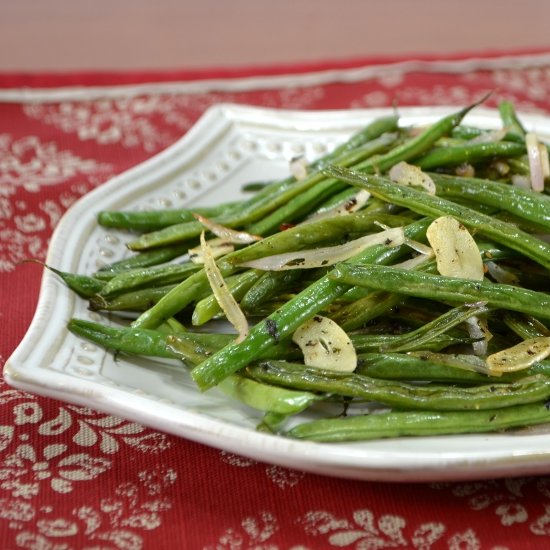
225 233
520 356
536 169
225 299
326 256
218 248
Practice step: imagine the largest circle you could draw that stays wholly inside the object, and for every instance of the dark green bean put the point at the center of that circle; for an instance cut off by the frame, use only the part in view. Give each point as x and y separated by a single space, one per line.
152 220
283 322
431 397
431 205
83 285
308 200
428 333
510 119
153 343
470 153
295 238
146 258
525 326
137 300
270 283
415 367
523 203
444 288
207 308
420 423
273 196
137 279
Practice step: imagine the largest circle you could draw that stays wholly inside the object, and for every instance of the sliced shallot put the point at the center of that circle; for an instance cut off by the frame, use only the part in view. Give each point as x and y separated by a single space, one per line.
326 256
225 233
218 248
225 299
535 162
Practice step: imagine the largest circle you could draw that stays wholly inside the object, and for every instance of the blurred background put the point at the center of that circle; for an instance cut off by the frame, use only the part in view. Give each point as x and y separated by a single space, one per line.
166 34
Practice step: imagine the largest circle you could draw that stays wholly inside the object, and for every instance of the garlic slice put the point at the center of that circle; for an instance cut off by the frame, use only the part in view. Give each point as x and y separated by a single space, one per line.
409 174
456 252
298 168
325 345
520 356
457 255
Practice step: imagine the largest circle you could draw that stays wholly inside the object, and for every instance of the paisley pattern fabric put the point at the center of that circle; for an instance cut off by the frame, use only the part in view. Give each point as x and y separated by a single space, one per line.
73 478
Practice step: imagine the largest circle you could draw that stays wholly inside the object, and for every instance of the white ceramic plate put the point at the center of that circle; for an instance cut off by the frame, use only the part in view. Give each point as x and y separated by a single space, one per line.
229 146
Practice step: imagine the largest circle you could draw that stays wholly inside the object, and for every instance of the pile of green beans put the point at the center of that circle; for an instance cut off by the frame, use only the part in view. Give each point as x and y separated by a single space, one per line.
419 370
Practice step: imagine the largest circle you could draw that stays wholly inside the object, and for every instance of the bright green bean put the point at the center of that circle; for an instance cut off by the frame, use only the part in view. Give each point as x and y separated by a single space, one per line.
431 397
431 205
420 423
444 288
283 322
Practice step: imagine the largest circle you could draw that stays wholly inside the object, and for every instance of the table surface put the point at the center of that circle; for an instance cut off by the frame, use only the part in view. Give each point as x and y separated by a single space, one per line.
75 478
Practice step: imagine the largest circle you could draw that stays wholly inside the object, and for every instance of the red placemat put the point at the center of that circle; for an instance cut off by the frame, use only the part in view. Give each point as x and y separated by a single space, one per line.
74 478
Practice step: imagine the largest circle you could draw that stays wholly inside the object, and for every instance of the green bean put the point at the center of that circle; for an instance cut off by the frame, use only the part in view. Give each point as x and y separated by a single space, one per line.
272 197
368 304
373 130
431 397
422 336
431 366
83 285
146 258
283 322
431 205
153 343
270 283
523 203
135 342
365 309
295 238
406 151
510 119
382 342
136 300
470 153
267 398
415 367
525 326
137 279
207 308
444 288
151 220
420 423
417 145
306 201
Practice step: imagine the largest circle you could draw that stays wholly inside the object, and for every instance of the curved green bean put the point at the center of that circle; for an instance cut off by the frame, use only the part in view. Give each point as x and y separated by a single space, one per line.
444 288
431 205
420 423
